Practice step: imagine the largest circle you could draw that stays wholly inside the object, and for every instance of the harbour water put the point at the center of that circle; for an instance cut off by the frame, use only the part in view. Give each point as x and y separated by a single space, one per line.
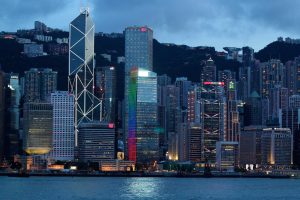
92 188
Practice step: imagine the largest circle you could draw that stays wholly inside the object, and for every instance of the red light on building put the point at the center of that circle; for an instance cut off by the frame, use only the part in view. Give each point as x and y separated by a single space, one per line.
8 37
111 125
213 83
207 83
143 29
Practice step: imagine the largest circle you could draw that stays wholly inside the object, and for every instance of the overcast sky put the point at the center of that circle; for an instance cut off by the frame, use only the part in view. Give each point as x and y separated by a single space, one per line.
217 23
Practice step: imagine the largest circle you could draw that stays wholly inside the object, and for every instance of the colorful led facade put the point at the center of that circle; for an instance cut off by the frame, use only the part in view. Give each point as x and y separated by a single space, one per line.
132 115
138 54
143 138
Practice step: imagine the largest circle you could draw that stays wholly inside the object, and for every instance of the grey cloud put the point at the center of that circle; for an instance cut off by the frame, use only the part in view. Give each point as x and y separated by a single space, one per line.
196 22
16 14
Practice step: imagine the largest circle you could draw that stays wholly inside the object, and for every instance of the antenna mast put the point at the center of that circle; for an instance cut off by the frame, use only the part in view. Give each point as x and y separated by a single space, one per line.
81 8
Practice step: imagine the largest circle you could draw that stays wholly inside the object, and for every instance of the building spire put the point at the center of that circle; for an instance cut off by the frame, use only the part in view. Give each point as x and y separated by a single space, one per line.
84 8
81 8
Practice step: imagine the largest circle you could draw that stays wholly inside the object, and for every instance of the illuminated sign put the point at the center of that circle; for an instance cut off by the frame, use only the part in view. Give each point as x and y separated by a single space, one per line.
111 125
143 29
143 73
213 83
231 85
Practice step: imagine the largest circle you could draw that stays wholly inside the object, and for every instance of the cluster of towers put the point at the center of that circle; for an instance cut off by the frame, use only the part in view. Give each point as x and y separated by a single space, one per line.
229 119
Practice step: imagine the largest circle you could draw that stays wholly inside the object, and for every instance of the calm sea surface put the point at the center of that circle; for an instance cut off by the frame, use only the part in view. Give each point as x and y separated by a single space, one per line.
81 188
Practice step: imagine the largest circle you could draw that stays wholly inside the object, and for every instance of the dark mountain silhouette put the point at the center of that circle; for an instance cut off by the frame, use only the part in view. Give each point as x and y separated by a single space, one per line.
278 50
173 60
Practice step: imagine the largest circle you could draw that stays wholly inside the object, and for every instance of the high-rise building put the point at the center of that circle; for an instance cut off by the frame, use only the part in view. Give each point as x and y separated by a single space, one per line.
39 84
213 119
2 110
184 85
227 77
138 48
172 120
183 141
138 54
291 120
63 126
96 141
250 146
246 74
294 101
227 155
255 76
291 77
271 74
248 56
277 147
194 98
162 82
209 72
231 89
38 127
233 122
48 84
12 115
106 91
143 136
244 83
256 110
194 143
81 69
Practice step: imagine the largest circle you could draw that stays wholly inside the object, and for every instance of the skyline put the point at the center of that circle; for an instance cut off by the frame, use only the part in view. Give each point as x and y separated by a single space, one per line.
194 23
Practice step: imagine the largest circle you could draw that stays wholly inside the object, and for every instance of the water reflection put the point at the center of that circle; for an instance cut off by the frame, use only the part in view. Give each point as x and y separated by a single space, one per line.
142 188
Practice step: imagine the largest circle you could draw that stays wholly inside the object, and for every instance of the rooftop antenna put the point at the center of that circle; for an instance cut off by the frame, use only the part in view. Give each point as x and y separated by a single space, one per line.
87 6
84 8
81 8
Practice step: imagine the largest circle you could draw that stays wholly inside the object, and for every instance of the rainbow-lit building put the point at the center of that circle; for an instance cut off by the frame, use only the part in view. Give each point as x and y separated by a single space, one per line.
142 139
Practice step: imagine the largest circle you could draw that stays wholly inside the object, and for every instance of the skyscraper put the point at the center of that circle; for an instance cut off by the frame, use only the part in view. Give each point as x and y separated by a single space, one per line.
250 146
63 126
39 84
2 107
162 82
228 78
233 122
143 138
194 142
194 98
277 147
213 119
248 56
138 48
38 121
209 71
138 55
12 115
81 68
96 141
48 84
106 91
271 74
256 110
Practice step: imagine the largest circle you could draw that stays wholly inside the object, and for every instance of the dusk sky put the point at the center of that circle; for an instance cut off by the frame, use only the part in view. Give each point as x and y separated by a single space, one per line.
216 23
